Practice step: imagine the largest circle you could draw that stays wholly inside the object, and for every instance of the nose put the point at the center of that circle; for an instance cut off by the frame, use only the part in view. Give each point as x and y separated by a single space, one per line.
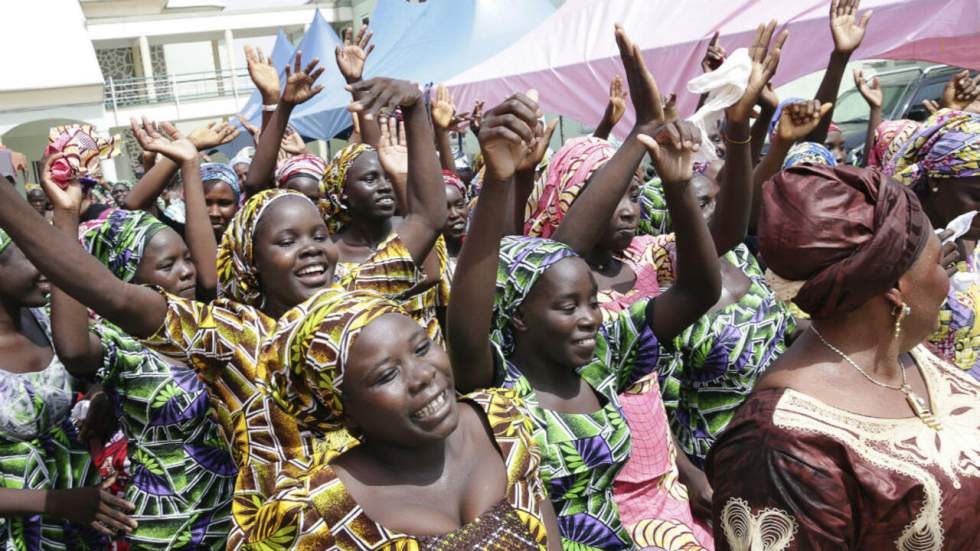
589 318
187 271
626 211
312 248
421 374
213 211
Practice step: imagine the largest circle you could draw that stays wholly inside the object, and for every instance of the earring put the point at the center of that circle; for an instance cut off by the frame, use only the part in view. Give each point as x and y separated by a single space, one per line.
934 189
900 313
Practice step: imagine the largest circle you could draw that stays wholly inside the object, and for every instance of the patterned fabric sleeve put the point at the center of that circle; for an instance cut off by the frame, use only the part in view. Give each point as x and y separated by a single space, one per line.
390 272
626 350
779 487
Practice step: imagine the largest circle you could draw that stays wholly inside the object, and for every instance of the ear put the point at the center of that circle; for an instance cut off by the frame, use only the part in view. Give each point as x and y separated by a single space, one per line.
517 321
894 296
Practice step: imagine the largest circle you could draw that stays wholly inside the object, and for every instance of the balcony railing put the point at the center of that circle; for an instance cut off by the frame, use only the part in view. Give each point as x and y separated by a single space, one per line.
176 88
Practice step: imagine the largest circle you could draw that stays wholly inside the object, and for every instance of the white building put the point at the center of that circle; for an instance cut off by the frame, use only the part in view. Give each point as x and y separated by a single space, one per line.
102 61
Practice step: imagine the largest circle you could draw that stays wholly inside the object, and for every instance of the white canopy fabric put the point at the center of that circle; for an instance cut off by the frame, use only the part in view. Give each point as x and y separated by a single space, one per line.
571 57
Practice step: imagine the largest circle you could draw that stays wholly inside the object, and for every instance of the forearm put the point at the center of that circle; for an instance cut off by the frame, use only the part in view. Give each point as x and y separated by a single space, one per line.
445 150
139 311
827 93
605 126
150 186
261 172
426 194
760 130
874 119
587 217
729 225
473 289
14 502
771 164
74 344
200 235
521 190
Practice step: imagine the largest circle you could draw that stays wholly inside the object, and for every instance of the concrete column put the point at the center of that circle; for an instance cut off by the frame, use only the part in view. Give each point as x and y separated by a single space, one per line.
216 56
230 50
147 62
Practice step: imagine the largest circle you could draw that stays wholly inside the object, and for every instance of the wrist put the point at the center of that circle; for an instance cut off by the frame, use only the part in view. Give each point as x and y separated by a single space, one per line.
66 218
352 79
841 56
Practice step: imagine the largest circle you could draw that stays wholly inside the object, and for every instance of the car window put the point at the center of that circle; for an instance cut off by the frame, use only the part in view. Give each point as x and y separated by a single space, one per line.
851 106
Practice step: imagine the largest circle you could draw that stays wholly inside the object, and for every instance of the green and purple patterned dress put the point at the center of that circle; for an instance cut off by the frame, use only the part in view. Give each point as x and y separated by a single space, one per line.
39 451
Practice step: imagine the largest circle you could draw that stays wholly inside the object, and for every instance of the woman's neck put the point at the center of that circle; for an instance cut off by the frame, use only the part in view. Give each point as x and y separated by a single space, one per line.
9 318
875 351
600 259
453 245
416 465
543 374
370 233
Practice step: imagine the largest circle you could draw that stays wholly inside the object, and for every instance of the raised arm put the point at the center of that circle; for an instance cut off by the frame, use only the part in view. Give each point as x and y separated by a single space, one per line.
587 217
265 76
138 310
77 348
875 98
443 112
960 92
350 60
299 88
729 225
425 209
714 56
698 271
796 121
166 140
615 109
526 171
768 103
506 135
848 32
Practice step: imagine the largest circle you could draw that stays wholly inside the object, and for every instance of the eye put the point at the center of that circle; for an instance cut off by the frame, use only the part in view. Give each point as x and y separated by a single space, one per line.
423 348
320 237
387 376
567 307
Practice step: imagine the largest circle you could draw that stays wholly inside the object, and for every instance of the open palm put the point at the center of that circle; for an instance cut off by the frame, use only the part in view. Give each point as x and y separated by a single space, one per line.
847 30
300 81
443 108
263 74
351 58
393 147
163 139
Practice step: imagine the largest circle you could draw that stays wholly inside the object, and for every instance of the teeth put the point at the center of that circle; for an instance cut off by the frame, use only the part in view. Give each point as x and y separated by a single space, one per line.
432 407
318 269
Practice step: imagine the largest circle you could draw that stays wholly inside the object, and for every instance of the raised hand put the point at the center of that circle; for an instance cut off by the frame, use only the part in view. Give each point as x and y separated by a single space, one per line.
212 135
393 147
252 129
670 108
66 200
617 100
714 56
539 146
163 139
960 91
671 150
768 97
292 143
443 108
507 136
351 58
263 74
380 94
764 63
847 31
931 105
872 93
643 88
476 118
299 81
799 119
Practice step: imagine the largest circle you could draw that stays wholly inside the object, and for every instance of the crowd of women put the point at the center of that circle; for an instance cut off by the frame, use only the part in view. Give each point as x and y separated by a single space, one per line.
760 348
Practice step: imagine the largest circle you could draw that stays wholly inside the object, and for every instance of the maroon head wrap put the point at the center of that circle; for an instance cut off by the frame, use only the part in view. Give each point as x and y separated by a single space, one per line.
849 233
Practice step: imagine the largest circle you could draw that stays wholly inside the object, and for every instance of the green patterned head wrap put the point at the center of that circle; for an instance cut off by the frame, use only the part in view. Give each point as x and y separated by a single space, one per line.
118 238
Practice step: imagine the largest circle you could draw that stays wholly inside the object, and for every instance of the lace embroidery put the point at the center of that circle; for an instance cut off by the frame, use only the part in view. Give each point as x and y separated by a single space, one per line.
770 530
906 446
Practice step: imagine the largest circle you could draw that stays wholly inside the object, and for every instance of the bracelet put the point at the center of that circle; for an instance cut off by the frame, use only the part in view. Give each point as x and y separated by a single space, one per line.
736 142
270 108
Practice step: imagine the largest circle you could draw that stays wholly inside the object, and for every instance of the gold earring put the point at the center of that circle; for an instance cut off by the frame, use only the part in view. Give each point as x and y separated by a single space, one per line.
935 189
900 313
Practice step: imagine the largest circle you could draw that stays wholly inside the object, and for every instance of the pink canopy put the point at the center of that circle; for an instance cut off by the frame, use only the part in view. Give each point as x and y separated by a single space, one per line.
571 57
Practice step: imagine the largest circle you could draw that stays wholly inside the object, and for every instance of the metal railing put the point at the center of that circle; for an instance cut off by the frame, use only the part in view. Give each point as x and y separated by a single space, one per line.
176 88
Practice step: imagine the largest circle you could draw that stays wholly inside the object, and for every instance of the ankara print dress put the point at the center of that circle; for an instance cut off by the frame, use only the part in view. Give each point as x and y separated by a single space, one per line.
798 474
958 336
581 454
182 473
311 509
39 450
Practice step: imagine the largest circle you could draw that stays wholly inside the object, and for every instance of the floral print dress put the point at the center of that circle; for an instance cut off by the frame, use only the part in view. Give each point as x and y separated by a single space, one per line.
181 472
958 336
39 450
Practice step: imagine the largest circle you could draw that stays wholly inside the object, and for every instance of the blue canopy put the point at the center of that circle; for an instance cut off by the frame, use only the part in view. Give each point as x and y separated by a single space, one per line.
427 42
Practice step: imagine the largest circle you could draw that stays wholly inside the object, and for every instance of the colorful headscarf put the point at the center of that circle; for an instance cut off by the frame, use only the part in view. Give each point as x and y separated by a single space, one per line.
654 216
779 113
450 179
809 153
558 187
238 279
307 164
118 238
523 260
849 233
307 356
222 173
82 149
5 241
947 146
890 136
335 211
